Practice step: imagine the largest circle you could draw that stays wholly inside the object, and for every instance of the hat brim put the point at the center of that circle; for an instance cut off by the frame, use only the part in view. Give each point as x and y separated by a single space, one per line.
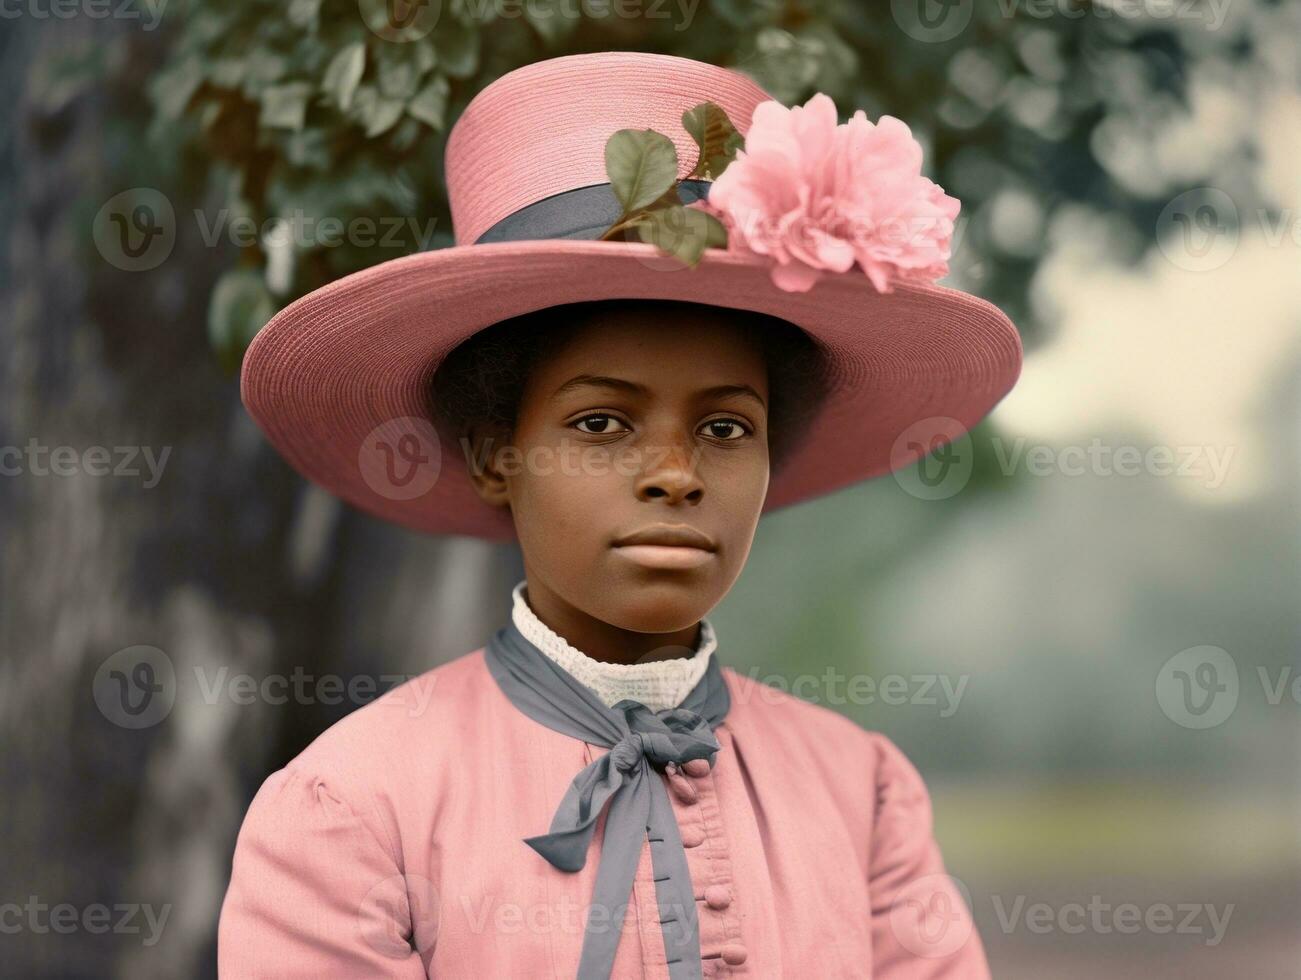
340 377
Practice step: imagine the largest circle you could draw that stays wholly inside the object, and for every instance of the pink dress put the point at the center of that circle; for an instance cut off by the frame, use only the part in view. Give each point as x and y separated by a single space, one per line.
392 847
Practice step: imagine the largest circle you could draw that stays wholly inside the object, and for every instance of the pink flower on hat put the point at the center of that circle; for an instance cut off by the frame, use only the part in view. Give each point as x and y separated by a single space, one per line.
820 197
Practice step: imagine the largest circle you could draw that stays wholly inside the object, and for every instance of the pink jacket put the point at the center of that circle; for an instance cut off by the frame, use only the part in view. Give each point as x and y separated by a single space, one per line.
392 847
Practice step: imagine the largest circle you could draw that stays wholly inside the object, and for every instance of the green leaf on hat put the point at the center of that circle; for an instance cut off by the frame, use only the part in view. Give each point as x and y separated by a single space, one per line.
709 125
641 164
682 232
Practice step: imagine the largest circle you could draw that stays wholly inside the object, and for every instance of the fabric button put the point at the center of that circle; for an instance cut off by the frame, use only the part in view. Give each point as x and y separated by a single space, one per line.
692 836
681 787
734 954
696 767
718 897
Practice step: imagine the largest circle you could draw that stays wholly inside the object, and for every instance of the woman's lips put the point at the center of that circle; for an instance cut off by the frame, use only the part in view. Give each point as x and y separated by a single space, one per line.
664 555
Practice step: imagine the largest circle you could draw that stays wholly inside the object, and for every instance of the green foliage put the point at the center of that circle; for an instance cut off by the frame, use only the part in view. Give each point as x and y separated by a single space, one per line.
321 106
239 306
682 232
643 169
717 138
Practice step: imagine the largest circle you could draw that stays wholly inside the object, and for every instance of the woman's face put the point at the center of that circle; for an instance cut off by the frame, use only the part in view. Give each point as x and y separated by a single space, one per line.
638 470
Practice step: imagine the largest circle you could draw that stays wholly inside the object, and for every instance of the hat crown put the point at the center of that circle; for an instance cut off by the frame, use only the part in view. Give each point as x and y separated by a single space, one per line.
541 129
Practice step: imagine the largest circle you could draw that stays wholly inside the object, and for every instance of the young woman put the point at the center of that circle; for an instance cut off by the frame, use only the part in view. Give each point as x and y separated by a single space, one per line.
593 793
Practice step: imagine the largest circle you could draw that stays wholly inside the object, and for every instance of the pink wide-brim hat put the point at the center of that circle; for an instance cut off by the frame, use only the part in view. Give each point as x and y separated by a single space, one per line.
339 381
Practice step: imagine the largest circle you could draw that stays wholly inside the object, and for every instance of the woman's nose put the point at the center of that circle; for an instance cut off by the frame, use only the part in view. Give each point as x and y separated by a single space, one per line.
671 474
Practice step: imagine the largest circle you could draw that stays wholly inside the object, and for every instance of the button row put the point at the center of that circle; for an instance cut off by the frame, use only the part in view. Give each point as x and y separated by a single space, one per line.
717 897
733 954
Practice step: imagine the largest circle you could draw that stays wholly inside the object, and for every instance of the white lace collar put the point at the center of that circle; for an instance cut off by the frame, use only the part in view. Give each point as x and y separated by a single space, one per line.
658 684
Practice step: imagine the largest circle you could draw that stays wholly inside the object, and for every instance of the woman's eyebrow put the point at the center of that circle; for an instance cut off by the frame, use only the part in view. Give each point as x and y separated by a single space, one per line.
623 384
600 381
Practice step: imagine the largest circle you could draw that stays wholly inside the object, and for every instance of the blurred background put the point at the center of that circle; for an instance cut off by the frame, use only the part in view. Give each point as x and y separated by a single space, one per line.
1081 623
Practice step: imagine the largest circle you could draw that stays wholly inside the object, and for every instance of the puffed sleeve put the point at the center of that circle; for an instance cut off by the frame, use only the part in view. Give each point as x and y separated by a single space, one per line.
314 892
921 925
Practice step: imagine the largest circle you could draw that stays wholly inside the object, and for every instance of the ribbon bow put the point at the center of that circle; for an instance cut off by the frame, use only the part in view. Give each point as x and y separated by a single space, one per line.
638 739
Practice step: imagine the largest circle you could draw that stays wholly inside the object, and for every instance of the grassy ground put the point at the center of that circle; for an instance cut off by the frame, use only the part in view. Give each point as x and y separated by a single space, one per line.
1208 854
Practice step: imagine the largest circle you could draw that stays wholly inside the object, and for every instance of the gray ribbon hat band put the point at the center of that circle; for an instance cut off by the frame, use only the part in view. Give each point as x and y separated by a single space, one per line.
640 811
583 213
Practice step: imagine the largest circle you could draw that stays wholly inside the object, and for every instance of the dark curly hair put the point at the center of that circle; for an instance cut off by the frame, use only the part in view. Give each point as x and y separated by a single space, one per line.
482 380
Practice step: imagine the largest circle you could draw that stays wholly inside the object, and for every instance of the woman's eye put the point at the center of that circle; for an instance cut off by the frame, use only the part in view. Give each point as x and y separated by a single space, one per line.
600 424
725 428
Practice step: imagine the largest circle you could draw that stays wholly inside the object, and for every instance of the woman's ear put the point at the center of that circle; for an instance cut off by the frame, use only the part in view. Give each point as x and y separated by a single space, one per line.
483 447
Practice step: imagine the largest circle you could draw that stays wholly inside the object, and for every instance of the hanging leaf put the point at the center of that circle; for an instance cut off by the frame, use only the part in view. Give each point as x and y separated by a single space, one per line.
641 164
343 74
172 88
682 232
430 103
555 20
376 113
398 74
237 309
263 69
285 106
425 56
458 48
709 125
785 65
304 13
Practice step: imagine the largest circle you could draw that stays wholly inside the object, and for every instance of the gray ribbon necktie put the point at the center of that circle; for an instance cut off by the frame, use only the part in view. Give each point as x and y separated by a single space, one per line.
639 806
